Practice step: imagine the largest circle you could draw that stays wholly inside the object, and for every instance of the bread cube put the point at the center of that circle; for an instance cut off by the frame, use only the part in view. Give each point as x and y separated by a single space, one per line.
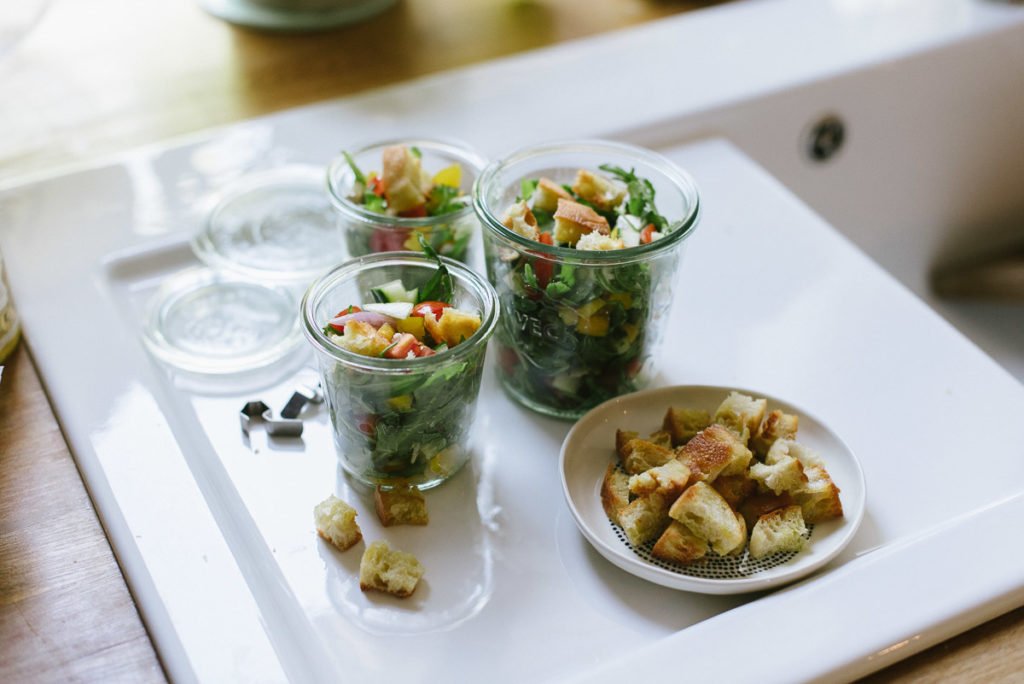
734 488
519 219
780 531
661 438
622 439
573 219
336 522
604 193
389 570
785 475
405 184
706 514
614 492
453 327
644 519
683 423
400 506
819 497
759 504
678 545
784 447
776 425
547 194
741 414
642 455
714 451
668 480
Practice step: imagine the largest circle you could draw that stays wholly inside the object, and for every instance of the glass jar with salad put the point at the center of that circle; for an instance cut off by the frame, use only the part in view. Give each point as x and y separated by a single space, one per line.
386 195
401 341
582 241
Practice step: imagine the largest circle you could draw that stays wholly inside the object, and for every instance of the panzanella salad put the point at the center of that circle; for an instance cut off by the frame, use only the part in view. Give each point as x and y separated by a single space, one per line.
596 212
409 423
577 328
404 189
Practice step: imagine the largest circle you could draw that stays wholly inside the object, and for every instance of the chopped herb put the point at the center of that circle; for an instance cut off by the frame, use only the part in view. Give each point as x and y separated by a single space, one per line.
416 152
360 178
641 196
440 287
527 187
444 199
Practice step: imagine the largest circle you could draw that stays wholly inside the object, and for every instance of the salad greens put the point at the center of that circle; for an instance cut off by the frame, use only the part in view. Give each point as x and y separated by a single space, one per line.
576 332
410 424
404 190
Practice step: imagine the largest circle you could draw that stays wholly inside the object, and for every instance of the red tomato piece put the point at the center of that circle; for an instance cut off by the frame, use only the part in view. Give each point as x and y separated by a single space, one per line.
543 269
415 212
367 424
647 234
545 238
436 308
352 308
388 239
377 186
400 349
423 350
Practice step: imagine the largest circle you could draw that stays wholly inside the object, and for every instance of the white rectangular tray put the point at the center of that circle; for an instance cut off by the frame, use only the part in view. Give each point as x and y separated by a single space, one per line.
215 533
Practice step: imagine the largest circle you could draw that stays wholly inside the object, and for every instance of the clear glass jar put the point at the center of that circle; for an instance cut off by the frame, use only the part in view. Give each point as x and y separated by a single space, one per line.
367 232
10 328
580 327
399 421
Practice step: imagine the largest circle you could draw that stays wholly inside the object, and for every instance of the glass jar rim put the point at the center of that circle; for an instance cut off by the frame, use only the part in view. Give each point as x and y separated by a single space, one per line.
454 148
466 276
681 228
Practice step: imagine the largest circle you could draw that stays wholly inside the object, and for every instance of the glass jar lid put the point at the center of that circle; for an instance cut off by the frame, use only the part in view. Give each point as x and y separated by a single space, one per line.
275 225
211 322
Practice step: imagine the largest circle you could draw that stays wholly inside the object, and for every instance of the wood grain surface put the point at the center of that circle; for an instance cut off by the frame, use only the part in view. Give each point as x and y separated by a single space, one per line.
106 75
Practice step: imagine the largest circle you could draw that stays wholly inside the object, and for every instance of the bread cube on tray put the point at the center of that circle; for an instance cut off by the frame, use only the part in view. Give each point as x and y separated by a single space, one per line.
733 484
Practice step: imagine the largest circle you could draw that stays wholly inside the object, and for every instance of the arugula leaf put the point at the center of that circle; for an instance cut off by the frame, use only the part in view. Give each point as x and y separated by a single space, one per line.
530 278
360 178
374 202
444 199
527 187
641 196
440 287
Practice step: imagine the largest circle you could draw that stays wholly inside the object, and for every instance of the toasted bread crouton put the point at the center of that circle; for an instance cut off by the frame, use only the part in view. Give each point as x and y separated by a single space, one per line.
546 195
707 515
819 497
661 438
400 506
519 219
603 193
642 455
683 423
734 488
622 438
741 414
784 447
596 242
785 475
714 451
389 570
776 425
362 338
777 532
678 545
758 504
405 184
668 480
573 219
644 519
336 522
452 328
614 492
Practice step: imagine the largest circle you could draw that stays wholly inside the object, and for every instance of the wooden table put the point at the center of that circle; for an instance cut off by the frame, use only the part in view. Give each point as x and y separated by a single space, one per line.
99 77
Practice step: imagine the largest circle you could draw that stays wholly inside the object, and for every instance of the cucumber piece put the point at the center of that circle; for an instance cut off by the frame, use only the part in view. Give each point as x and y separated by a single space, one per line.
398 310
394 291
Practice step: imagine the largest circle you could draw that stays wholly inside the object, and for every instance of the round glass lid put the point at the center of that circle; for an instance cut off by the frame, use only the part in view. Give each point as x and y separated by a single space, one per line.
210 322
278 225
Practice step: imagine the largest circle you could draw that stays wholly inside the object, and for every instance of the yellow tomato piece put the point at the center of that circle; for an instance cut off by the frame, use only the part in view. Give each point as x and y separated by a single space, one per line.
595 326
412 325
449 175
402 402
623 298
631 332
412 243
590 308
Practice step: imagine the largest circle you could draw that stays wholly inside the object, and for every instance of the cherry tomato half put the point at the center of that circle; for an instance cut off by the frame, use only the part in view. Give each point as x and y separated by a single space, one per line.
436 308
647 234
352 308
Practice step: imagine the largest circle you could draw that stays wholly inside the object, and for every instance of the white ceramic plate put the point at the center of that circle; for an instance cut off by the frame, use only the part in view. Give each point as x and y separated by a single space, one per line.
589 448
